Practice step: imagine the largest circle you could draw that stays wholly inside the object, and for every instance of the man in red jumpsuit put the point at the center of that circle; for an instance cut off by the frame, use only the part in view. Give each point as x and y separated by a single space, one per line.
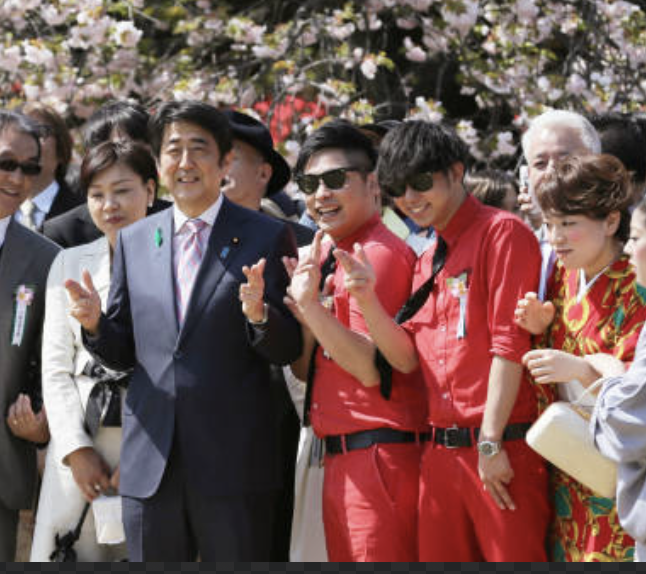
483 491
372 436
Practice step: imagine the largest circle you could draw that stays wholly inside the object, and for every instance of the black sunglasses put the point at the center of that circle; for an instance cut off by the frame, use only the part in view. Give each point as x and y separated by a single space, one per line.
11 165
419 182
333 179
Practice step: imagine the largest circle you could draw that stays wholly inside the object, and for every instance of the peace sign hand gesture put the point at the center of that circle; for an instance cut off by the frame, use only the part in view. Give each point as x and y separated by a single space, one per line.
86 303
252 292
359 274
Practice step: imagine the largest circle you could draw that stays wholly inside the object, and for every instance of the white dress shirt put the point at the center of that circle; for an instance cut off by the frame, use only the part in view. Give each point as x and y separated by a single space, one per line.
209 216
4 224
42 204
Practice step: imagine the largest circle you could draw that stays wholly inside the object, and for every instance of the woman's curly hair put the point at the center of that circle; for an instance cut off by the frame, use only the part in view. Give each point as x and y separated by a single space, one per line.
590 185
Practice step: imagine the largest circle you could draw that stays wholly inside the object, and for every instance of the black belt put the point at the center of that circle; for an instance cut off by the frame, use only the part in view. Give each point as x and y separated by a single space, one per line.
456 437
366 439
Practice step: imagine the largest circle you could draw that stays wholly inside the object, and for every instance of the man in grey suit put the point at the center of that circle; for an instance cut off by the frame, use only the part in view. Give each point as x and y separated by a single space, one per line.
25 258
199 461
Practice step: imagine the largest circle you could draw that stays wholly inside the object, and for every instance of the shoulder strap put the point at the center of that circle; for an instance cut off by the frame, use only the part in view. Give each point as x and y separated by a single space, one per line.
414 303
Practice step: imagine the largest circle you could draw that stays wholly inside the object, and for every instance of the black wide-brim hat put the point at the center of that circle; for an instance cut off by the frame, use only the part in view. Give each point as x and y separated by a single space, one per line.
256 134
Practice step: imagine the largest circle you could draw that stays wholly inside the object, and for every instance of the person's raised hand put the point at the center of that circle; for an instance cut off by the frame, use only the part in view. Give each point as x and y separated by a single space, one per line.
86 303
360 277
304 287
533 315
252 292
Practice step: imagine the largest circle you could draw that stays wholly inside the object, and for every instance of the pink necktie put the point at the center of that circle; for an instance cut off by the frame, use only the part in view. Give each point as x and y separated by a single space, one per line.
189 257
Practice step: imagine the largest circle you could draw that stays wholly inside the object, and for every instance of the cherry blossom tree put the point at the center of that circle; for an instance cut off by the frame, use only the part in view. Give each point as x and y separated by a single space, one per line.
484 66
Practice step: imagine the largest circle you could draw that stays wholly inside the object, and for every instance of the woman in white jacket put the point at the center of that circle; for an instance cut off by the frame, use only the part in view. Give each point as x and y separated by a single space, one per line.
82 462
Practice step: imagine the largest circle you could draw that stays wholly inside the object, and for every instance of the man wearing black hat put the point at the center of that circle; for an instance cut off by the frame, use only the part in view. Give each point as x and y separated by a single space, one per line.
258 171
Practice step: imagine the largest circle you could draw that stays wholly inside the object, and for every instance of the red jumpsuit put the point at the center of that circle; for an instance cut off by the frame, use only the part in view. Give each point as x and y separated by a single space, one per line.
370 495
493 260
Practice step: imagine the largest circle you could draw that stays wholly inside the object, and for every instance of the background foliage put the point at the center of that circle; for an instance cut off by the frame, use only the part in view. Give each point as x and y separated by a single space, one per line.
486 67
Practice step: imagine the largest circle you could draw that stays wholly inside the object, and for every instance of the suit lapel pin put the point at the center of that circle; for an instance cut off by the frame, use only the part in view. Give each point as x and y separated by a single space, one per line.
159 238
227 249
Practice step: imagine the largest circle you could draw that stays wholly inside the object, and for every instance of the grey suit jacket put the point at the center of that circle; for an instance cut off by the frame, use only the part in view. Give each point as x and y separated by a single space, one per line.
25 261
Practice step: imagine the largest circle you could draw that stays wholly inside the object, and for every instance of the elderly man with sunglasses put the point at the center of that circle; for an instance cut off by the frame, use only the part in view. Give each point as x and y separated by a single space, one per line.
371 439
483 492
25 258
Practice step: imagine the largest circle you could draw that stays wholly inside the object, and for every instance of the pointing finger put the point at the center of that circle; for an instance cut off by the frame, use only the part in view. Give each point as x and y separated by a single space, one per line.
87 281
75 290
345 259
259 268
315 251
328 288
290 264
360 254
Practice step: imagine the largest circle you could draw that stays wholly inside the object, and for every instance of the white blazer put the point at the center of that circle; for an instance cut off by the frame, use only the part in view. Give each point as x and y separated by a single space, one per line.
65 389
65 394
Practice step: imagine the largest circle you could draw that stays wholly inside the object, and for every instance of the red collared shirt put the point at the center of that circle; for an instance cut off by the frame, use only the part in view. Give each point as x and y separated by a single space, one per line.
341 404
493 260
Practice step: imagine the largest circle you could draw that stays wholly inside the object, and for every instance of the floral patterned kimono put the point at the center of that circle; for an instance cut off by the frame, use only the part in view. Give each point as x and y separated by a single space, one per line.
608 318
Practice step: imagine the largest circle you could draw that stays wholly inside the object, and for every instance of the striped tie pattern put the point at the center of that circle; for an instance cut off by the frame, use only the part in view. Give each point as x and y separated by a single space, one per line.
189 257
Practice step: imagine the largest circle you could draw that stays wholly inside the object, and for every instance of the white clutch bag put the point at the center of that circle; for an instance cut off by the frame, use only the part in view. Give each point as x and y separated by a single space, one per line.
562 436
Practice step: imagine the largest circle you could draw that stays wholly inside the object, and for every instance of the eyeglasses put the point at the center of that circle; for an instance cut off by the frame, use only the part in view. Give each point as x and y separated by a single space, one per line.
28 168
334 179
419 182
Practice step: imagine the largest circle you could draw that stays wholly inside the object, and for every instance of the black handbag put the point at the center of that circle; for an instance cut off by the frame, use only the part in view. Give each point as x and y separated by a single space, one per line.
64 545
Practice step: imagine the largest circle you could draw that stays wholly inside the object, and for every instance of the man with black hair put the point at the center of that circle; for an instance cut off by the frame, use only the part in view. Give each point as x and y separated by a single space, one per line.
51 194
113 121
621 135
481 485
199 462
371 438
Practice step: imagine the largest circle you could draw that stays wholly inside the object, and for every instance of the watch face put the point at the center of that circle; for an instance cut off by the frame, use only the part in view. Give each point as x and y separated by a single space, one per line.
488 448
485 448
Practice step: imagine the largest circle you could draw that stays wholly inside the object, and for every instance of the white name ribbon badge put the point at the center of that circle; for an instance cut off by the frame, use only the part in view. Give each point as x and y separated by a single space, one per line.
24 297
458 289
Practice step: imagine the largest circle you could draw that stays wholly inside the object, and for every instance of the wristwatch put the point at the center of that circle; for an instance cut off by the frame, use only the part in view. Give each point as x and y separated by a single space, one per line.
489 448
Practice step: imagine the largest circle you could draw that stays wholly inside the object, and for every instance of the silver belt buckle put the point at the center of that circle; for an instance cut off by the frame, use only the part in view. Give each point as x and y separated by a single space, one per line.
447 437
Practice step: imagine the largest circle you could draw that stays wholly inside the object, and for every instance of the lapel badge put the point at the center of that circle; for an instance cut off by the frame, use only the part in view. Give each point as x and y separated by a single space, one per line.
227 249
159 238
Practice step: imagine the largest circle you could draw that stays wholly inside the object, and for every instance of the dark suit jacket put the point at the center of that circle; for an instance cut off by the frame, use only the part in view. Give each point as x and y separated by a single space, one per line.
304 235
206 385
24 260
67 198
77 228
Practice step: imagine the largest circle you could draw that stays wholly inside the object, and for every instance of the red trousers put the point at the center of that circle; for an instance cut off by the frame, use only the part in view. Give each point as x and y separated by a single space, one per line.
460 522
370 504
